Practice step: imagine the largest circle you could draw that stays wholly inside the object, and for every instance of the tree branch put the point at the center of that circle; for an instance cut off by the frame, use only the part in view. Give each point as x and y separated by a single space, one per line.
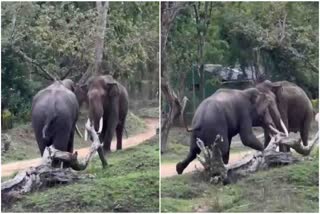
32 61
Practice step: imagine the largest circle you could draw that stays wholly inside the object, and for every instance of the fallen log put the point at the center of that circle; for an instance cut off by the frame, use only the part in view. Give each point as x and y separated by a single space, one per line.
45 175
217 172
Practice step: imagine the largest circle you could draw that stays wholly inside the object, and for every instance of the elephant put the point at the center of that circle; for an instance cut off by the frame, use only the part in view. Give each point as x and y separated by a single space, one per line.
294 106
54 114
228 112
108 109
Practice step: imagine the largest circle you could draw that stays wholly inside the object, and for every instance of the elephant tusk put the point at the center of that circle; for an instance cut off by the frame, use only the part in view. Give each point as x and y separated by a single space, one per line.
274 129
277 131
86 131
100 125
85 135
78 132
284 128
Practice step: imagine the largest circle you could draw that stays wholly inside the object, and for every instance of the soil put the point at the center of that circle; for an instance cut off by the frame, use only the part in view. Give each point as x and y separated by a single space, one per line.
152 124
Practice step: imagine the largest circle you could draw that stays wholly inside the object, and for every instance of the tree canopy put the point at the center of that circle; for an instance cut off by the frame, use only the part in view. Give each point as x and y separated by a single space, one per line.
277 40
41 40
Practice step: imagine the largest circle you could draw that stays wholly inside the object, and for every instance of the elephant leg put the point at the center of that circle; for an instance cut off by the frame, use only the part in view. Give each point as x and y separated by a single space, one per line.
248 138
119 132
304 131
267 138
71 141
107 142
225 149
41 142
194 150
61 142
108 137
252 142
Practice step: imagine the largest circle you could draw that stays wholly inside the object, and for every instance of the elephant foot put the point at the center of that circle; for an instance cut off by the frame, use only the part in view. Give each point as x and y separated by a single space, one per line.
179 168
106 151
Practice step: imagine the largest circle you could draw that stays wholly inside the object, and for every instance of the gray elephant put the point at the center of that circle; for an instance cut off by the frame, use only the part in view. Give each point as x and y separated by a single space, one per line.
108 108
228 112
294 106
55 111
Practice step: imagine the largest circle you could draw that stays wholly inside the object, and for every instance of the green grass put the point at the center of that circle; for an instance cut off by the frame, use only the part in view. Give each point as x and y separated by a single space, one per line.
178 145
129 184
293 188
24 145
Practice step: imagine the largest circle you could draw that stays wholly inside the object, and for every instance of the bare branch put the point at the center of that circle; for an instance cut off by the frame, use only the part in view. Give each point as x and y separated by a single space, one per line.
32 61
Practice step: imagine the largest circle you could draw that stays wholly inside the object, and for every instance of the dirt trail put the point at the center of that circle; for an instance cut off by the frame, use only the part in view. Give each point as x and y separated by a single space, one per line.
152 124
169 170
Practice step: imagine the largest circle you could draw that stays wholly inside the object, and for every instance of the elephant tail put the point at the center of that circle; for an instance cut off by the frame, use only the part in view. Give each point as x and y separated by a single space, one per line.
47 128
184 103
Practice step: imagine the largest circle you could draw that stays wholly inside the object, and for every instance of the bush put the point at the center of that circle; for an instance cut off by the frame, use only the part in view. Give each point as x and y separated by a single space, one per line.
315 104
17 89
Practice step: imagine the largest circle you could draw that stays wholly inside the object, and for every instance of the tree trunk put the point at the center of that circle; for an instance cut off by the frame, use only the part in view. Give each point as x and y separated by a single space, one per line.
102 8
202 20
169 10
174 112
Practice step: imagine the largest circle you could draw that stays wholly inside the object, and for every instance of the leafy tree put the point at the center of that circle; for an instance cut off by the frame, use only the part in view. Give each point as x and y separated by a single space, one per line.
42 41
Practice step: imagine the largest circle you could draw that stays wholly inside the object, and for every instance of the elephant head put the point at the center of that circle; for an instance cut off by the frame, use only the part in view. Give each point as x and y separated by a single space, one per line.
69 84
81 92
101 94
264 111
272 91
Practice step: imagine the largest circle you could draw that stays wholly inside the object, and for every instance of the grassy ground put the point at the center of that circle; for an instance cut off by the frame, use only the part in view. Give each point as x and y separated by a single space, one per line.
24 146
130 183
293 188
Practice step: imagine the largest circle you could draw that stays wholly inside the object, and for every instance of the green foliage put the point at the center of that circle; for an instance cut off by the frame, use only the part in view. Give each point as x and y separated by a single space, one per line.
315 104
251 35
17 90
60 38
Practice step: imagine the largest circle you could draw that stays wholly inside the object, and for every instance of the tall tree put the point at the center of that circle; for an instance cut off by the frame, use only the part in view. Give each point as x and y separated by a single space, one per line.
169 11
102 8
203 11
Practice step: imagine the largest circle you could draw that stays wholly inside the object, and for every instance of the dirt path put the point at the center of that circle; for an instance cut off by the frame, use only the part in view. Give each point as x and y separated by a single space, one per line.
169 170
152 124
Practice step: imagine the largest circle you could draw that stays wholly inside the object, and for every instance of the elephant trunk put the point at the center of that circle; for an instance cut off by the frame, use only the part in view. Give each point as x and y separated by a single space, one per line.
96 115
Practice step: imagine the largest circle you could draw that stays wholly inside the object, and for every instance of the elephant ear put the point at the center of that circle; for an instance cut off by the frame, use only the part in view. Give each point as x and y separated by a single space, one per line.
276 88
259 100
262 103
111 86
69 84
113 89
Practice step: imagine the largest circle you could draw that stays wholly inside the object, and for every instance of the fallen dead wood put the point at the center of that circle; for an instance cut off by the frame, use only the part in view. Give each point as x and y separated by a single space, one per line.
45 175
33 179
215 170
